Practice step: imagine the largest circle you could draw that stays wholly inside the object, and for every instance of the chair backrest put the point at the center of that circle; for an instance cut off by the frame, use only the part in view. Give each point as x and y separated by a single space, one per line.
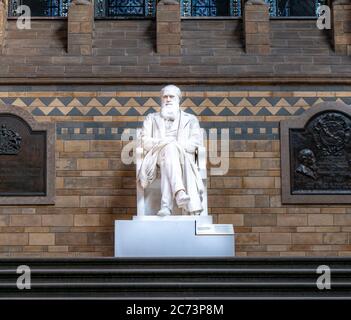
149 199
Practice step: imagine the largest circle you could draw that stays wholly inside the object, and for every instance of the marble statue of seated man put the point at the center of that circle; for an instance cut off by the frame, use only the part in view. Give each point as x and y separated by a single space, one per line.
170 139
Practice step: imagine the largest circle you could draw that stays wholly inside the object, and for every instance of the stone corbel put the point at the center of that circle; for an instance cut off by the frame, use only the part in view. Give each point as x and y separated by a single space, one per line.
3 23
80 27
168 30
257 32
341 22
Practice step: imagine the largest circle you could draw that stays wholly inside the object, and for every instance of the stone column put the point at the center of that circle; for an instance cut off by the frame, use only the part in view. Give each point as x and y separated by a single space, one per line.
168 30
342 26
257 27
3 22
80 28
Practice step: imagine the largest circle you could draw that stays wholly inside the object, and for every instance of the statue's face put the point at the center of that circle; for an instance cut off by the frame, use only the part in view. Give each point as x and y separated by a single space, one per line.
170 98
307 157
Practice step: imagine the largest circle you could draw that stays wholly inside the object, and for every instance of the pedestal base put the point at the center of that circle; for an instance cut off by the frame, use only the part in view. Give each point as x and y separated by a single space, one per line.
198 219
172 238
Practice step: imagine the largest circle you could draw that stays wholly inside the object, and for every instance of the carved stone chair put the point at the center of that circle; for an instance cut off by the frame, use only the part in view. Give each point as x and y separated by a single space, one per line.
149 199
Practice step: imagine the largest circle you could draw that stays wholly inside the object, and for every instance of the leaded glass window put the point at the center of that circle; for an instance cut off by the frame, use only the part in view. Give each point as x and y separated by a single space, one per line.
210 8
294 8
278 8
204 8
125 8
41 8
147 8
103 8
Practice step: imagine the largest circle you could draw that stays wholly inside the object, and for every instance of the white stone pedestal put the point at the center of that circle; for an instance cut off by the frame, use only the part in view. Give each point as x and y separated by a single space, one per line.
185 236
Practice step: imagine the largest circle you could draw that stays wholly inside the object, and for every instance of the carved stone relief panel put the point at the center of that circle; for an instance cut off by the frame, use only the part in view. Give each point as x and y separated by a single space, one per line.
316 155
27 158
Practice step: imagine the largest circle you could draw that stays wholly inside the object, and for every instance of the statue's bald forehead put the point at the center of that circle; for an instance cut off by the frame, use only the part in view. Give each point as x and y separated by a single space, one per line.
171 89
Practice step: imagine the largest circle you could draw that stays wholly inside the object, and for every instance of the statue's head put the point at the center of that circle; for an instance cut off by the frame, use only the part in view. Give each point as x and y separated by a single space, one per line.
306 157
170 101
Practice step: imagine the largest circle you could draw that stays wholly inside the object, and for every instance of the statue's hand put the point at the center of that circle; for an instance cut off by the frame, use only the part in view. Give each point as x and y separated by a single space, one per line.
190 147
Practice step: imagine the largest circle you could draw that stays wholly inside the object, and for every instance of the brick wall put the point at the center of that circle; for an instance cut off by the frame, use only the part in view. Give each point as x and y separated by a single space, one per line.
210 48
94 188
341 24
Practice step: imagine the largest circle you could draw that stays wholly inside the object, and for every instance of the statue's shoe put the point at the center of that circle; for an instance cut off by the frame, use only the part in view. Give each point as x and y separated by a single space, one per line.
182 199
164 212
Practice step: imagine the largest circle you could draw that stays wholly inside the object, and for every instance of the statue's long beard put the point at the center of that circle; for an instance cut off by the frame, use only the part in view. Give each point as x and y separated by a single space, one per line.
169 112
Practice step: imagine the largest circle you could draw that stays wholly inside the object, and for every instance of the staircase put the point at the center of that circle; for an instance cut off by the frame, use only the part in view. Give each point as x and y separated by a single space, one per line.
210 278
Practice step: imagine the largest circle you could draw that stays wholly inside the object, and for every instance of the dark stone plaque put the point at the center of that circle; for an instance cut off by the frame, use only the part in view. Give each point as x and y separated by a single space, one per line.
316 156
22 158
26 158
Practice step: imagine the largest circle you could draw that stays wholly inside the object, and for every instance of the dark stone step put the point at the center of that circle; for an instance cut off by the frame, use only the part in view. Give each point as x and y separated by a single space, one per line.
276 262
165 278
